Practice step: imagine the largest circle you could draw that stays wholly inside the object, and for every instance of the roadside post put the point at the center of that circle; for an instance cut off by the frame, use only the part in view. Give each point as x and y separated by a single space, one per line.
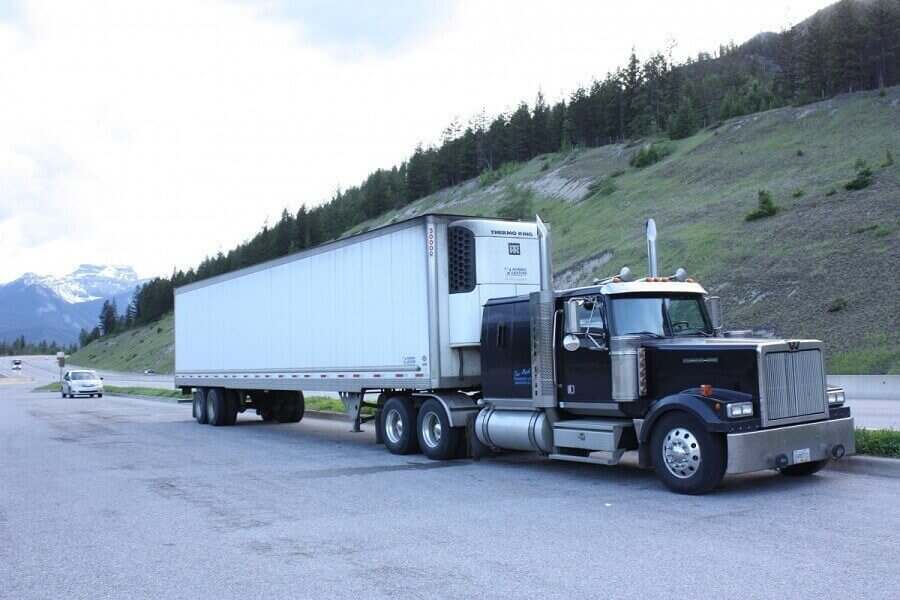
61 361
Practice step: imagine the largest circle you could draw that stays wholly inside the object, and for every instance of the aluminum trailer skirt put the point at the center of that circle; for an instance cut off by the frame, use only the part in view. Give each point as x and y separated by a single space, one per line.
759 450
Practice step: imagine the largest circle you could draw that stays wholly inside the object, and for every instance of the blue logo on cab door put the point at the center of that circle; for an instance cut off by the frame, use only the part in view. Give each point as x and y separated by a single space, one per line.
521 376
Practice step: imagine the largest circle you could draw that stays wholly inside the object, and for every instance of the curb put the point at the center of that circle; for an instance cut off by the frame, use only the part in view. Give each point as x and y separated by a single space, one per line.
875 466
327 415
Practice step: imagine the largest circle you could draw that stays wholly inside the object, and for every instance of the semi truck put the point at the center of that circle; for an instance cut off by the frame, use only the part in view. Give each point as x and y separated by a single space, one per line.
446 332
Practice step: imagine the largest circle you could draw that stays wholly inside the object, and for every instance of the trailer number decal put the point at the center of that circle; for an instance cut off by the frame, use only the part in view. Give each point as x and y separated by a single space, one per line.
515 249
430 240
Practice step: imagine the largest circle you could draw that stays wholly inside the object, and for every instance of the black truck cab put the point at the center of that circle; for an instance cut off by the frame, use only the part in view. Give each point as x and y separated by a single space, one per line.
637 365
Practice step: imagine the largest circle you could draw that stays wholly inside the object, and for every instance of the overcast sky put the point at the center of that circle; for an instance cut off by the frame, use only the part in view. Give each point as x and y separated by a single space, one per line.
154 133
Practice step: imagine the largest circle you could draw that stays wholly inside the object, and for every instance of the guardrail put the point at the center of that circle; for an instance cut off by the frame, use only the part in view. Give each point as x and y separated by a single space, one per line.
869 387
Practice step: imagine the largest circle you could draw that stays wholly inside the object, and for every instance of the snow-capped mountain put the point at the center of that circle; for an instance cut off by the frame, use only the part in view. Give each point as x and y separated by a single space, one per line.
87 282
51 308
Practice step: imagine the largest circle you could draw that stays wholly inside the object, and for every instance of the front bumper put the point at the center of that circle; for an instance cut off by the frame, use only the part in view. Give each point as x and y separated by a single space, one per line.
807 442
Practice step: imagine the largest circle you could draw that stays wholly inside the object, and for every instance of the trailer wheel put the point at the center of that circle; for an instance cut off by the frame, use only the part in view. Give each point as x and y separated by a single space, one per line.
437 439
291 408
200 405
232 403
804 469
216 409
688 458
399 425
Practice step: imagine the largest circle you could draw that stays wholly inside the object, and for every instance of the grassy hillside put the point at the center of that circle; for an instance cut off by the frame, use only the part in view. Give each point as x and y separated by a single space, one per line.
149 347
824 266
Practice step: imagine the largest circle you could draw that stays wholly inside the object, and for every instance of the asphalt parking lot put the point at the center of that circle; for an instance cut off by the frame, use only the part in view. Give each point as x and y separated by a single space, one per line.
126 498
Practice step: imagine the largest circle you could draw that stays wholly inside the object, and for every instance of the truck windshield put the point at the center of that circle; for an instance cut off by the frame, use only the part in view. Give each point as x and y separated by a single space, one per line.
659 315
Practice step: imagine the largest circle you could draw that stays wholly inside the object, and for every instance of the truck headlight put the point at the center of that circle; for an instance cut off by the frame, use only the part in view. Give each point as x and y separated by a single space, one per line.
736 410
836 396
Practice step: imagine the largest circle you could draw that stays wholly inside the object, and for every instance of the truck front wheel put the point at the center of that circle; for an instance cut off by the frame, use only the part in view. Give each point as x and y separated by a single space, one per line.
398 422
437 439
687 458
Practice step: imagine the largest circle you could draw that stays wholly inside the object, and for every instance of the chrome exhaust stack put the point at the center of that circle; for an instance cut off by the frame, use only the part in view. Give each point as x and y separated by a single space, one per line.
650 229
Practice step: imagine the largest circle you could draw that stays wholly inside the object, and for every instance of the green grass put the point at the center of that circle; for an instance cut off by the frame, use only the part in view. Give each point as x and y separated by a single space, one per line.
124 391
878 442
147 347
875 354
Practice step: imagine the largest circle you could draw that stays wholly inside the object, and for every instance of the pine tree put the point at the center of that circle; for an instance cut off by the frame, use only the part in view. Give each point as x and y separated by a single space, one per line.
846 57
882 19
541 136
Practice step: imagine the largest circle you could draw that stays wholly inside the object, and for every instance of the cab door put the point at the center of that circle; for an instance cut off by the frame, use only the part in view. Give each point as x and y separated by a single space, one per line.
584 374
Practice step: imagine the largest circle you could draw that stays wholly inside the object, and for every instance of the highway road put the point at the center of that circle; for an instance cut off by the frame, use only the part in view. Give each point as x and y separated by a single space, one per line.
128 498
44 369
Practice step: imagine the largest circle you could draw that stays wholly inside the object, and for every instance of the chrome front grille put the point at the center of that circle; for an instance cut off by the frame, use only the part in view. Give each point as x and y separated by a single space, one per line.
794 384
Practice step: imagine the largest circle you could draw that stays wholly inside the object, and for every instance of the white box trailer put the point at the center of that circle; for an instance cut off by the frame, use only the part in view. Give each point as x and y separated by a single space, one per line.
398 307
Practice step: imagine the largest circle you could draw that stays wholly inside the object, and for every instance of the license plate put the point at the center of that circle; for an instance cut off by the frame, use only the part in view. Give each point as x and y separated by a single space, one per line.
801 456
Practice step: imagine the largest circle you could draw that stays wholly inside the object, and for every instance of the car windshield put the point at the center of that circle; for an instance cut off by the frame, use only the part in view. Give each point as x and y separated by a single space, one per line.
83 375
659 315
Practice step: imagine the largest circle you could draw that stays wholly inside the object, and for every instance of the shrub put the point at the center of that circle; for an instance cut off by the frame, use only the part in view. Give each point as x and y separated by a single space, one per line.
649 155
545 166
831 192
799 152
878 442
618 173
604 187
888 159
492 176
863 177
765 209
837 305
520 208
798 193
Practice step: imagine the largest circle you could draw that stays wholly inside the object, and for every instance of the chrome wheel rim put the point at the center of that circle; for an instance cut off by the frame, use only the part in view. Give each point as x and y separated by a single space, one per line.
681 453
393 426
431 430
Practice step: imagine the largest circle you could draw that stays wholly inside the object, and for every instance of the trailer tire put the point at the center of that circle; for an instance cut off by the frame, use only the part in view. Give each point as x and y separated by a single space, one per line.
687 458
200 405
804 469
232 403
437 439
291 408
399 425
216 407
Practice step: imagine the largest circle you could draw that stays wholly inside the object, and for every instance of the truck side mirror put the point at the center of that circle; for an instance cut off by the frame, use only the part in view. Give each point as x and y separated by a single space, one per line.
714 306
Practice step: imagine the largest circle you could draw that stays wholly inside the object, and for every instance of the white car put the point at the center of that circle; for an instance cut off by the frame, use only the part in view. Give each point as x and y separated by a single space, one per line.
85 383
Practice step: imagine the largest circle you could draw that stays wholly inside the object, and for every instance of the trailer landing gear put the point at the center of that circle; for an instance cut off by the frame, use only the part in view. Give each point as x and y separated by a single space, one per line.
353 404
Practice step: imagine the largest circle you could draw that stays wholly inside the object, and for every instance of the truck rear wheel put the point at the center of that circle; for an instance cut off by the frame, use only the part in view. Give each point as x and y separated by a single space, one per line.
291 408
216 407
200 405
399 425
688 458
437 439
804 469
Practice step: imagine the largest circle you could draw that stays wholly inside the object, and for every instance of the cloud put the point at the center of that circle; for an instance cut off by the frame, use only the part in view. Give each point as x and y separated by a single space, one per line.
351 29
155 133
